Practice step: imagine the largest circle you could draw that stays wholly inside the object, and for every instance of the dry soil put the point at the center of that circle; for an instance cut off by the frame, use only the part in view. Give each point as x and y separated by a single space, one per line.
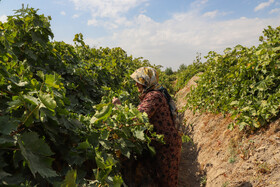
218 157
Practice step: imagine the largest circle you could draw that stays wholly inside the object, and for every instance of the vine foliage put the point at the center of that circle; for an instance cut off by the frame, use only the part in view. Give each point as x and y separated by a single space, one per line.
57 123
243 82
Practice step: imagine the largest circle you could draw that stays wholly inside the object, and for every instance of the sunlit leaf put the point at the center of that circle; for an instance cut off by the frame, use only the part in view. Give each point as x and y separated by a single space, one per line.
31 99
70 179
52 80
48 101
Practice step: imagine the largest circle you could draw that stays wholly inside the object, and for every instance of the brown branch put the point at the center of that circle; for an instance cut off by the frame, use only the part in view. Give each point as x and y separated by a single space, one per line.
31 112
13 149
18 130
5 91
42 86
21 129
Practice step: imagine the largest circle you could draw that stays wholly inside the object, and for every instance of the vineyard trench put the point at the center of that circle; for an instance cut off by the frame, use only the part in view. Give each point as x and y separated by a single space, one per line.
218 157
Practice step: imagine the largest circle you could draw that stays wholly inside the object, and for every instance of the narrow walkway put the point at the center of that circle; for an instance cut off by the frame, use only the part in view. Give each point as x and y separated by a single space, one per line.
189 171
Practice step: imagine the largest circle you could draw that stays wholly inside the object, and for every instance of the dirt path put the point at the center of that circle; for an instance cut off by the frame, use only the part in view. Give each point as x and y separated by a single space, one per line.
189 172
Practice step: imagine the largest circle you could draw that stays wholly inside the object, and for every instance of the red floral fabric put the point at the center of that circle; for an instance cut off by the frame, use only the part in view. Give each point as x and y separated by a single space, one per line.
167 155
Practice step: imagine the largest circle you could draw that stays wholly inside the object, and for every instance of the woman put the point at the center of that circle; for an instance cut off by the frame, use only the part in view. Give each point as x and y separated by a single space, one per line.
155 104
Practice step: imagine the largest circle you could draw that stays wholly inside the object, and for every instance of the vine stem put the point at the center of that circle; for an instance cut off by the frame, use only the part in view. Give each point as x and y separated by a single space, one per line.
18 128
41 86
10 93
12 149
31 113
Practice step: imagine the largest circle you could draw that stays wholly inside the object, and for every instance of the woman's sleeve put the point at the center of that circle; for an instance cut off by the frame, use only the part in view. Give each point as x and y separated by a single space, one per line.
150 104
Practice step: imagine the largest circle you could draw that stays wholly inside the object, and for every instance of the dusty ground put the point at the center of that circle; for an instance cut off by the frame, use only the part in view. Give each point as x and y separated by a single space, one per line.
219 157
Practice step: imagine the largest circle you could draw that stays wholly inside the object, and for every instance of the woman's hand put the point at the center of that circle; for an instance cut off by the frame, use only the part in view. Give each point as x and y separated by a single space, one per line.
116 101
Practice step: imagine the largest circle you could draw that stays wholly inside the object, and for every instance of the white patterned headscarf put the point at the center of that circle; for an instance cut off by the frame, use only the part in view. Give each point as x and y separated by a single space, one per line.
147 77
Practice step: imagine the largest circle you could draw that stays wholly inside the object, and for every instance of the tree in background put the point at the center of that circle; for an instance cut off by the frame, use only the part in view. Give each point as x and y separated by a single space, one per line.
168 71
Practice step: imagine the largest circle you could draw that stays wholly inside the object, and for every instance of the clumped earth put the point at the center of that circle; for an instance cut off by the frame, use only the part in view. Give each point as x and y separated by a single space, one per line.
219 157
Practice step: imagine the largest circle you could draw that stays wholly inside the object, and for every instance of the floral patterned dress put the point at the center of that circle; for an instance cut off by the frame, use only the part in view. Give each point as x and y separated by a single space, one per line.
168 154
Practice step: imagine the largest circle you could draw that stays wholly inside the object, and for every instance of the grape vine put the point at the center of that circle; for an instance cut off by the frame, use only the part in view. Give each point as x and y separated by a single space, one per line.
57 123
243 82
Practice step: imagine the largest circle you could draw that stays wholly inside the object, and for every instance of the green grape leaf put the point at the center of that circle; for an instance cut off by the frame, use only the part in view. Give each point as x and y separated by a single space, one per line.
103 114
48 101
3 174
31 99
36 152
7 126
51 81
139 134
18 82
83 145
152 150
100 161
7 139
70 179
15 104
117 181
41 75
276 48
36 37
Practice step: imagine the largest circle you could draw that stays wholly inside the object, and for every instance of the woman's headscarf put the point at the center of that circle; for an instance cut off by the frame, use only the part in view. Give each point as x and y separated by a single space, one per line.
147 77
